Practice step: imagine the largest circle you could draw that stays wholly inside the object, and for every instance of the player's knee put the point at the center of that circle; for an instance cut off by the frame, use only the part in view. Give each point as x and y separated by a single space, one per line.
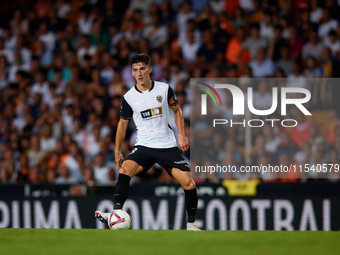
189 184
123 170
192 184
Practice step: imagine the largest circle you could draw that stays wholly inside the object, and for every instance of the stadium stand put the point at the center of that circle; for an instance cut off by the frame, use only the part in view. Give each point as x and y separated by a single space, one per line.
64 66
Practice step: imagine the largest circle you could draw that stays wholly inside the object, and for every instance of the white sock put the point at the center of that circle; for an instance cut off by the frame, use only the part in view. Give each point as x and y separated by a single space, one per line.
189 224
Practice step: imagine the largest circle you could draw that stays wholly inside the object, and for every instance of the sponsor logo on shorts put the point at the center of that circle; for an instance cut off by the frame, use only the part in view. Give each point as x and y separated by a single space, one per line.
181 162
133 150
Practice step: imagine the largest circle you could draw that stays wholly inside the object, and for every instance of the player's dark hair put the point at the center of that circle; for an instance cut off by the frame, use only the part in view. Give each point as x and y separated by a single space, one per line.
140 58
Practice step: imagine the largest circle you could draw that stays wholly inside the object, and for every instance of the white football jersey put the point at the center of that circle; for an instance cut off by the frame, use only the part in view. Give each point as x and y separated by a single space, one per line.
150 111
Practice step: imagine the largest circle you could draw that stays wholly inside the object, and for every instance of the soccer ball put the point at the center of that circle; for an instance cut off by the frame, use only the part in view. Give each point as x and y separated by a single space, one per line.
119 219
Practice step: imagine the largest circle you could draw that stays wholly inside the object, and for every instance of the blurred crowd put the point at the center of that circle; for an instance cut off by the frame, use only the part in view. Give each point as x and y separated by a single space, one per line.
309 151
64 66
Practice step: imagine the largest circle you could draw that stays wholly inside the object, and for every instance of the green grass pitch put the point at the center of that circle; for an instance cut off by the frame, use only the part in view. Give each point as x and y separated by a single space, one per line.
90 241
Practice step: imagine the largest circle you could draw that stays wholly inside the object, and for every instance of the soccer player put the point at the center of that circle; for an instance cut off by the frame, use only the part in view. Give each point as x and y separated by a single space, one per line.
149 104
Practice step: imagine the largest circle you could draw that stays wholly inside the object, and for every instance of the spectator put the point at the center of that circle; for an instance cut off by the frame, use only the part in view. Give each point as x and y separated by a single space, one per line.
190 48
220 36
296 78
311 70
73 36
266 176
78 134
259 149
235 52
19 25
64 175
239 18
284 63
316 12
176 75
45 55
25 53
69 159
295 43
48 37
18 65
254 42
267 27
76 85
50 176
47 141
305 24
41 85
326 60
262 99
133 35
7 54
184 14
167 14
217 6
62 8
24 169
102 173
286 146
9 37
92 143
302 132
107 73
256 13
86 49
156 33
209 52
291 176
34 154
261 66
142 5
88 176
42 8
332 42
328 23
99 37
85 21
303 156
313 47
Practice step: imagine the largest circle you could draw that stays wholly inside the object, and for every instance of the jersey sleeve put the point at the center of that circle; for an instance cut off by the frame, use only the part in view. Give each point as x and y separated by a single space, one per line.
125 110
172 98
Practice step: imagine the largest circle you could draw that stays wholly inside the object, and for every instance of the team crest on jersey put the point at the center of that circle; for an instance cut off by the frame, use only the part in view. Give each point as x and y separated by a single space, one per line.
159 98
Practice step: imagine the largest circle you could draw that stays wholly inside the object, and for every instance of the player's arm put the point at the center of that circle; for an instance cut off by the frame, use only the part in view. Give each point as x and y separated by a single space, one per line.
183 143
125 115
120 135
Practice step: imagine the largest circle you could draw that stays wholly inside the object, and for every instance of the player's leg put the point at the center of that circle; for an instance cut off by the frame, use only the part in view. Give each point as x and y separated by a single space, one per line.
137 161
126 172
190 192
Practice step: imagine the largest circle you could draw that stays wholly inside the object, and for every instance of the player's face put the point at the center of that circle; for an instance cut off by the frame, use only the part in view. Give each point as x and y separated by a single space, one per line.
141 73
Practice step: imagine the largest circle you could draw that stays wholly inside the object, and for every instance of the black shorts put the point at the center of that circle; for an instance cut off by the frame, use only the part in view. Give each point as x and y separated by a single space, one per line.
166 158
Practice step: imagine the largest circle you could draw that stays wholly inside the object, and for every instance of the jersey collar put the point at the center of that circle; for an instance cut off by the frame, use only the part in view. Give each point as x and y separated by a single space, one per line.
152 85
